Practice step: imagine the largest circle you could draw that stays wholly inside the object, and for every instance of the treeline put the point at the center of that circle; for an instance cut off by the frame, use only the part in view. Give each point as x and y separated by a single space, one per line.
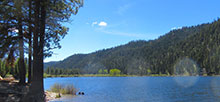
6 69
177 52
62 71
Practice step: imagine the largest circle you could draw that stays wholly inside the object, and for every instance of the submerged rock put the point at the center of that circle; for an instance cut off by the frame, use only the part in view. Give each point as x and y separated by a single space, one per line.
81 93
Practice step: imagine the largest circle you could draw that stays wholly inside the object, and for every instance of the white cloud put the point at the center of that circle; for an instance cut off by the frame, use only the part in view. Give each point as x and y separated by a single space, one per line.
179 27
175 28
103 24
94 23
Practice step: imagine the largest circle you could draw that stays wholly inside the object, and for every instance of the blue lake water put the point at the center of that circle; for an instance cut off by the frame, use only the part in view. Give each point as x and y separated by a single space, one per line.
141 89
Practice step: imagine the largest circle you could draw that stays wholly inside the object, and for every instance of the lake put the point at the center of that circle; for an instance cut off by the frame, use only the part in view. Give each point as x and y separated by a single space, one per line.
141 89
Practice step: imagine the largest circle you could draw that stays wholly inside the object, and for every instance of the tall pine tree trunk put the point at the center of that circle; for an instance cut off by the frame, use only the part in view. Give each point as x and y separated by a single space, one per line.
30 44
22 70
35 42
37 85
41 43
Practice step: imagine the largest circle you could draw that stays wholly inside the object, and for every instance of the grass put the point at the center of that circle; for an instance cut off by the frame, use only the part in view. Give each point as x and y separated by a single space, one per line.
63 89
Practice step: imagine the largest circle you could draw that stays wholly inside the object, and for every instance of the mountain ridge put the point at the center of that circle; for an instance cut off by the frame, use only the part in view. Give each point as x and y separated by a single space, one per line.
159 55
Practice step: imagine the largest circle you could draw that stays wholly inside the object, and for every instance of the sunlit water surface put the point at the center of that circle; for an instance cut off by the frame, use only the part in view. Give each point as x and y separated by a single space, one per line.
141 89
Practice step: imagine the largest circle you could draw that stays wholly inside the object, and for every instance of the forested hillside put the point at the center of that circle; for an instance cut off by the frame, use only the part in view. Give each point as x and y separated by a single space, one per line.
199 44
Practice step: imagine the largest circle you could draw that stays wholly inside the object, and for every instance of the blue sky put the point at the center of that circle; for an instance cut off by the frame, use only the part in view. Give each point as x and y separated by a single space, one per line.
102 24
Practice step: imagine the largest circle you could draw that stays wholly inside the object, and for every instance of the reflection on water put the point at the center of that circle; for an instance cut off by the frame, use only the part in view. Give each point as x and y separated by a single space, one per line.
215 86
142 89
186 81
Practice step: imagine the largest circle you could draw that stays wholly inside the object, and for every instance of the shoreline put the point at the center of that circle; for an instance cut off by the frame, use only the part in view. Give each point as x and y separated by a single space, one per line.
101 75
63 97
52 96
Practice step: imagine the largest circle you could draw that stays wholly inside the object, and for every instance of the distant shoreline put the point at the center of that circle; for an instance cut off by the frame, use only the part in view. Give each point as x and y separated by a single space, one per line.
123 75
100 75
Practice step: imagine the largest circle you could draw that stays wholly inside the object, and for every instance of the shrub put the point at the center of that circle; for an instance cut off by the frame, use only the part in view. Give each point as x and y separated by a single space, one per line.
56 88
58 96
100 71
115 72
105 71
63 89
